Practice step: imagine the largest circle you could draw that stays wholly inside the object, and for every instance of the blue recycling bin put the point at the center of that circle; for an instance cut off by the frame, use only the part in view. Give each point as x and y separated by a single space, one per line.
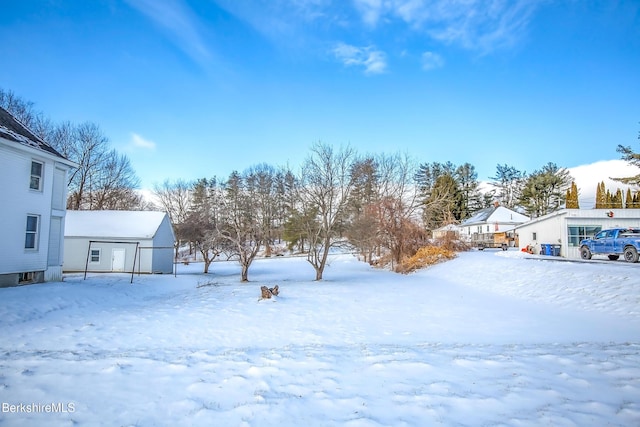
545 249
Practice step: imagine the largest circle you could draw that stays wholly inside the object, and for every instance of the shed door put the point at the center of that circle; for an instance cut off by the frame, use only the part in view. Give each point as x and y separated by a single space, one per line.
117 259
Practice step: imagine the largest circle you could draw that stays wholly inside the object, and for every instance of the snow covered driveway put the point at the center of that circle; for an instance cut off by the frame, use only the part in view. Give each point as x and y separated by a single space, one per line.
486 339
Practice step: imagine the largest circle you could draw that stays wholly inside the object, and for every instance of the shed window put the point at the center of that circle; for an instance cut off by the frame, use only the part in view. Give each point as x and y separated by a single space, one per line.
36 176
94 257
31 237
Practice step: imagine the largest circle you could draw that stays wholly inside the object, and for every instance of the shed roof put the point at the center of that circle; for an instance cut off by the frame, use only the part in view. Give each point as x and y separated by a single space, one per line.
13 130
113 224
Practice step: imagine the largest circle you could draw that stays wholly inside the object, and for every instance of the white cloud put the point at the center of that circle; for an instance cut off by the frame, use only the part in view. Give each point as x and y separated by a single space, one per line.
481 25
179 22
588 177
431 60
370 10
373 61
138 141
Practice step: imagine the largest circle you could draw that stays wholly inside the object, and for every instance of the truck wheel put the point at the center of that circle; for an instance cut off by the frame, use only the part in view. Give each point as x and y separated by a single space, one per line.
630 254
614 257
585 253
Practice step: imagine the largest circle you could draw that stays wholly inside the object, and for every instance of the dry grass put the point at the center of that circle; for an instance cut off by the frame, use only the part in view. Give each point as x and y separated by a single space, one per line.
426 256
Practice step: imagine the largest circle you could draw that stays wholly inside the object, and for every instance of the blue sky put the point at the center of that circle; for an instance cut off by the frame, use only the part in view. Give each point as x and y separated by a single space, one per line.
191 89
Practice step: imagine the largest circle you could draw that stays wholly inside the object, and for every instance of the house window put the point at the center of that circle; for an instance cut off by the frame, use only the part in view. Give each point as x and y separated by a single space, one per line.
487 228
534 236
31 237
94 257
576 233
36 176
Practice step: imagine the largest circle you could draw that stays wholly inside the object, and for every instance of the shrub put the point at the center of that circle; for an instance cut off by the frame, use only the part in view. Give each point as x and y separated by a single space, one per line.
426 256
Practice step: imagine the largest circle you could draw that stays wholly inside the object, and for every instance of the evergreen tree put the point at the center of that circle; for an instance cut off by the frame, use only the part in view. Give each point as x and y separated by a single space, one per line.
616 200
509 181
545 190
572 197
632 158
628 203
601 196
471 199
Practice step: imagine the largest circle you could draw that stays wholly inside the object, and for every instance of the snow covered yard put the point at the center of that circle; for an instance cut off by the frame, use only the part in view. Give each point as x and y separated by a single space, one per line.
488 339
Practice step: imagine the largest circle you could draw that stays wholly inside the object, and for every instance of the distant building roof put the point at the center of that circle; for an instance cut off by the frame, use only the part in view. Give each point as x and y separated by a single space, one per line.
12 130
495 214
113 224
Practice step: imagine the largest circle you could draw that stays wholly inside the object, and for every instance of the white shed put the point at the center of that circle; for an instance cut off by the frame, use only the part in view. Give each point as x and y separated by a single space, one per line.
118 241
567 227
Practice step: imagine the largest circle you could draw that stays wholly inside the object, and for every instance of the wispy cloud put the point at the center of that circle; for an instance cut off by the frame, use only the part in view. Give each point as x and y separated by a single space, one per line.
481 25
370 10
138 141
177 20
282 21
373 61
431 60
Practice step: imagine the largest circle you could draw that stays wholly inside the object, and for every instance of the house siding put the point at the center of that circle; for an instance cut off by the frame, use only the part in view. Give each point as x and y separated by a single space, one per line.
21 201
162 261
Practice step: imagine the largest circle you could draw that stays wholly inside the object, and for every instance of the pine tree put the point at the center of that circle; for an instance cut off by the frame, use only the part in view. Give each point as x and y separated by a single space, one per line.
616 200
601 197
608 200
628 203
572 197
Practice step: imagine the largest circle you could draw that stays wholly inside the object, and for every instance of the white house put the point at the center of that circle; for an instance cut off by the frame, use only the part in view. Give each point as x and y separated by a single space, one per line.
567 227
449 230
486 224
118 241
34 196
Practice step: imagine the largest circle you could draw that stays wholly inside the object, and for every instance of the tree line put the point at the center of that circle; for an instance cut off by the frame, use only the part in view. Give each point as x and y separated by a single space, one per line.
376 203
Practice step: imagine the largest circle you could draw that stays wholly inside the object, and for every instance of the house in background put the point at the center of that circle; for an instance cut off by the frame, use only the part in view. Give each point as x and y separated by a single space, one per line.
449 231
492 226
34 198
119 241
567 227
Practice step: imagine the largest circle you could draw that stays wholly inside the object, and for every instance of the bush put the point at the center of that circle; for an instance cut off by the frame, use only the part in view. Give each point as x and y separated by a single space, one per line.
426 256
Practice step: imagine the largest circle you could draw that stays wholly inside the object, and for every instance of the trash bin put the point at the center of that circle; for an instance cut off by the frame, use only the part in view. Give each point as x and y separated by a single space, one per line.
555 250
545 249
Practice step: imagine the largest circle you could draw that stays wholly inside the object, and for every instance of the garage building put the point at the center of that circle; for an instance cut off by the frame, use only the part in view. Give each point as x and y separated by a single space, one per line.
118 241
567 227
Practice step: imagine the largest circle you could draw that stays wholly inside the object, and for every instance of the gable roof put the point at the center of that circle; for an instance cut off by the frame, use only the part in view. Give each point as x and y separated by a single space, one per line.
13 130
495 214
112 225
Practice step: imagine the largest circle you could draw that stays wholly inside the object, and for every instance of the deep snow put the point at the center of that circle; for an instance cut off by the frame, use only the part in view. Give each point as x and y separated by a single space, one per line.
488 339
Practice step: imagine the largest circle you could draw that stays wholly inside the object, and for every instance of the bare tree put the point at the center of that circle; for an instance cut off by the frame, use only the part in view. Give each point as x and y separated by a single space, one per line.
175 199
241 221
326 185
397 205
88 149
114 183
200 225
